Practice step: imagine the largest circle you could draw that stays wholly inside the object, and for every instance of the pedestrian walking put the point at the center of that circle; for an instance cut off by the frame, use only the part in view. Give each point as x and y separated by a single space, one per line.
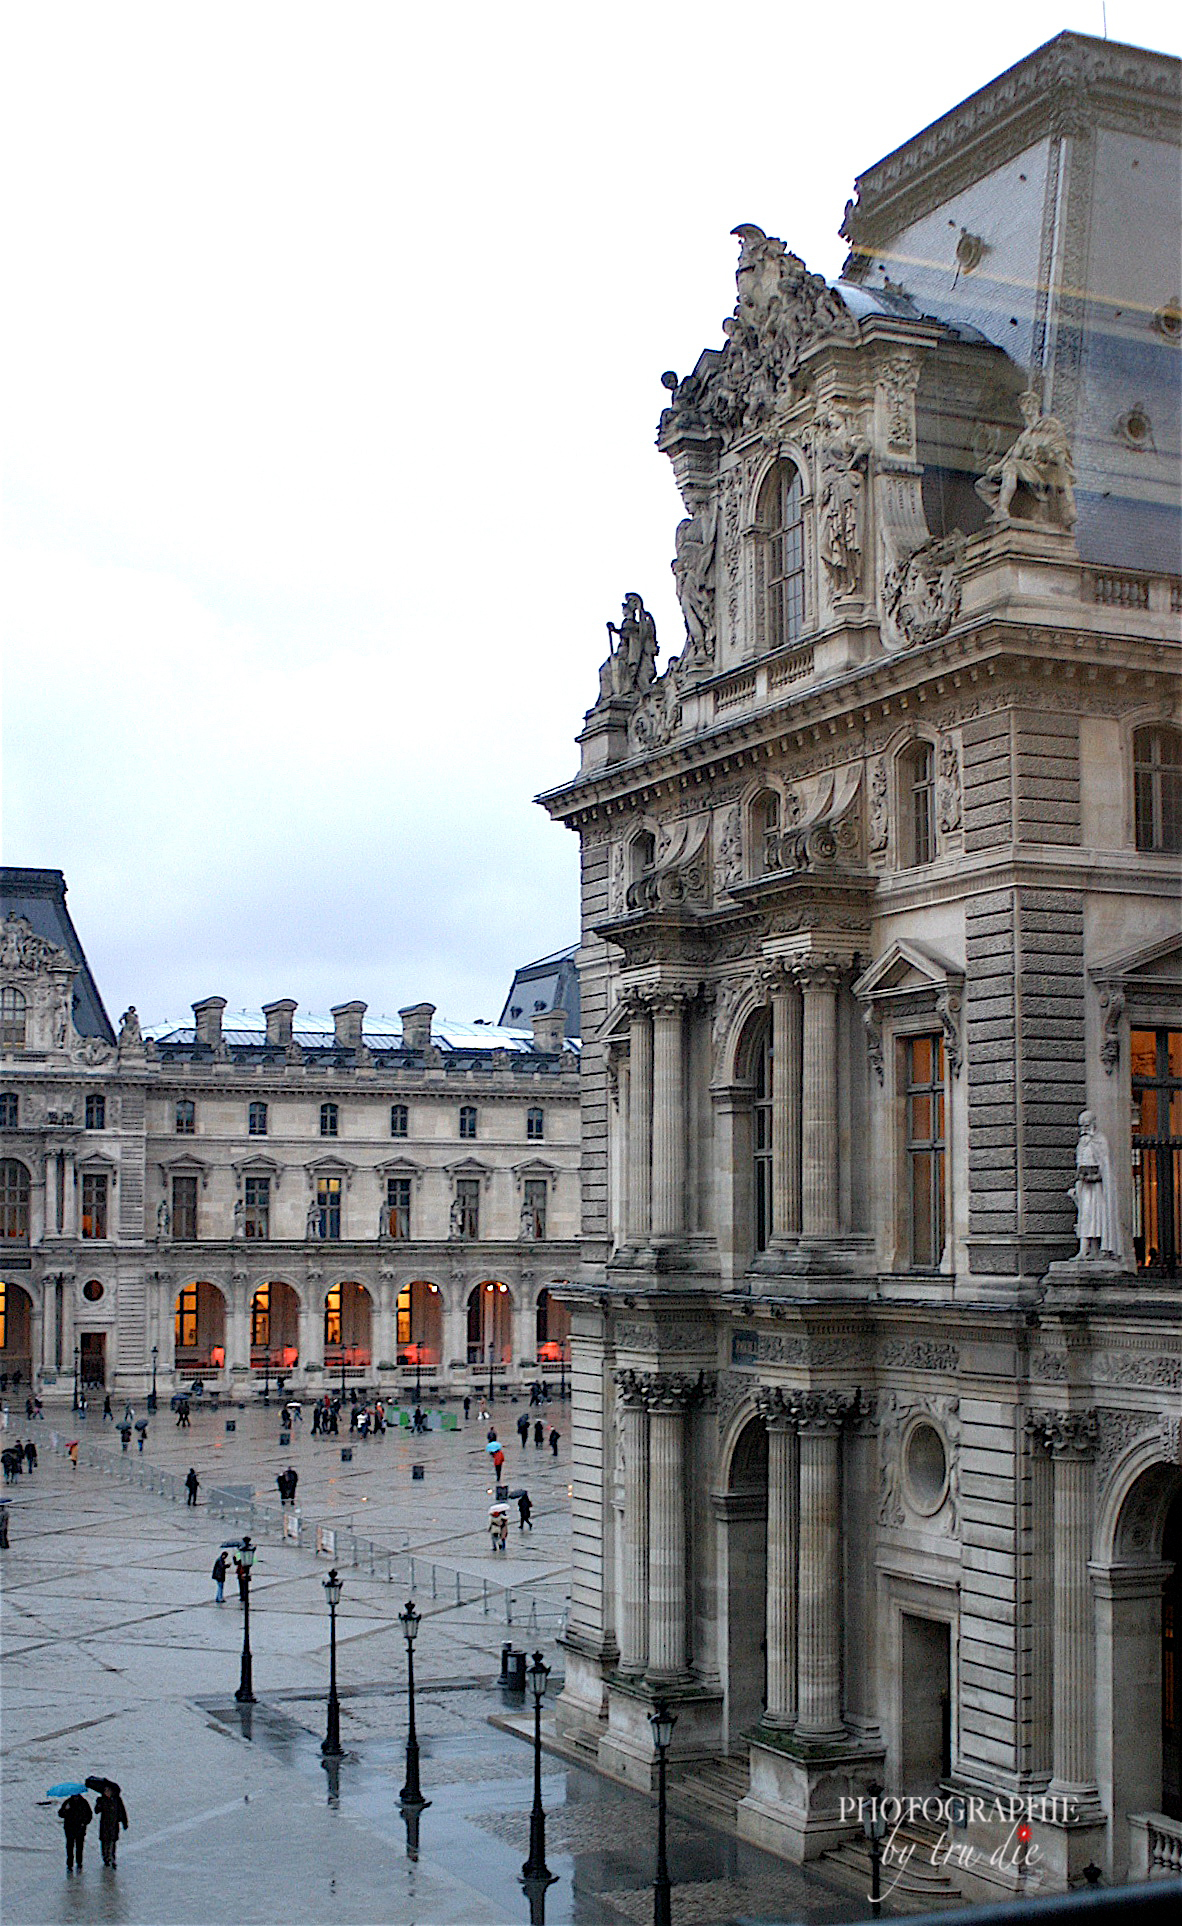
3 1524
523 1429
30 1454
553 1442
129 1412
142 1438
293 1479
494 1532
218 1574
75 1816
467 1408
112 1816
539 1434
498 1459
192 1484
503 1532
107 1411
525 1512
72 1452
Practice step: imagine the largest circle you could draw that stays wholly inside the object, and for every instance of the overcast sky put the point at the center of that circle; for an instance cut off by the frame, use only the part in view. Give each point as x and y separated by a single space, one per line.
334 343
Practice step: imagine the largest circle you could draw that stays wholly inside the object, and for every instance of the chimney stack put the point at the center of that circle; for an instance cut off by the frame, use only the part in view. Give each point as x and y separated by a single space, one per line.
279 1016
347 1019
549 1031
416 1026
208 1016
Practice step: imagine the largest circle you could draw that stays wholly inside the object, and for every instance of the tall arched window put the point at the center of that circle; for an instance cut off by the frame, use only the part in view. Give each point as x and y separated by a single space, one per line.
917 805
780 521
14 1201
761 1139
13 1013
1157 787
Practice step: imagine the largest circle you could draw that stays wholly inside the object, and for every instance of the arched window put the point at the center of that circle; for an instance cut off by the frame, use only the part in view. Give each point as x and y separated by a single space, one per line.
535 1124
1157 787
329 1117
780 521
13 1012
256 1122
399 1120
467 1120
917 805
10 1110
14 1201
186 1118
761 1139
765 833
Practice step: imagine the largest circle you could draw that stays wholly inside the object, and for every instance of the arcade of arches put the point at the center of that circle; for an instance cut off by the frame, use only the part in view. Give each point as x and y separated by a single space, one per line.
16 1334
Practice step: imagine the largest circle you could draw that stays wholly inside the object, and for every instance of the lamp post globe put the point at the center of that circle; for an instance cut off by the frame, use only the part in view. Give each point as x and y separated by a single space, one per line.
246 1558
331 1746
662 1722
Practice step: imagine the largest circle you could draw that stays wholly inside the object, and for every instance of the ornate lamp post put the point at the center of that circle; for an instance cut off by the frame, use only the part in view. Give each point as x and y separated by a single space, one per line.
874 1826
412 1791
662 1722
245 1692
535 1867
342 1368
152 1393
492 1389
76 1352
331 1748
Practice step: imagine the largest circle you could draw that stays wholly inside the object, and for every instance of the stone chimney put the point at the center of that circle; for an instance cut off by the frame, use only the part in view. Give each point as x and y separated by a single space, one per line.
208 1016
279 1016
347 1019
549 1031
416 1026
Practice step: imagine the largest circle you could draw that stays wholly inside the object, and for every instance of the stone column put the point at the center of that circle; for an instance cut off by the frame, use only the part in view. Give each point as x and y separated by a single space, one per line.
668 1396
382 1327
1071 1438
820 1415
238 1324
819 983
635 1582
640 1125
783 1533
786 1101
668 1119
311 1338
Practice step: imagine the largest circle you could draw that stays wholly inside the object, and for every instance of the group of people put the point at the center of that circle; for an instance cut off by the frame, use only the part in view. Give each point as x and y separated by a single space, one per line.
75 1814
18 1457
365 1420
539 1430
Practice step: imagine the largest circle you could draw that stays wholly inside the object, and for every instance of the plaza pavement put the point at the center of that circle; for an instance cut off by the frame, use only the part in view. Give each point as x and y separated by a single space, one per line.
116 1660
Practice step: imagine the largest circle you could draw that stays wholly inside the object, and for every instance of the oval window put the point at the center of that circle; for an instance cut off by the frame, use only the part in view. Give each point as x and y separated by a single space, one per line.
92 1290
926 1465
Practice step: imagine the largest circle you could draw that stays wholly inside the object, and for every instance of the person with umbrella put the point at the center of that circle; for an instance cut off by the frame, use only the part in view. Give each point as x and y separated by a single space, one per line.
523 1429
141 1425
75 1815
112 1815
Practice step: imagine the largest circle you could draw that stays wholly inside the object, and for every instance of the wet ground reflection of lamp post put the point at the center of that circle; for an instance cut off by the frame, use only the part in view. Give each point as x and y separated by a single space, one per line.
874 1826
412 1792
662 1722
245 1692
331 1748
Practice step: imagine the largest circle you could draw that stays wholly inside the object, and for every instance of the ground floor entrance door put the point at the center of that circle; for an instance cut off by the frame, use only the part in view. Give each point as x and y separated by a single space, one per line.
926 1727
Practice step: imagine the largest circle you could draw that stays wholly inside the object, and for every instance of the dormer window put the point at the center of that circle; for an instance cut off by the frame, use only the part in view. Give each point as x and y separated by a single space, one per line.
779 519
13 1018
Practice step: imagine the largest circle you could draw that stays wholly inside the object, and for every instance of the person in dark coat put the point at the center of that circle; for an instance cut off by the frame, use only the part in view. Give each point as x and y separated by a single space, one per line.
554 1441
539 1434
220 1568
525 1512
107 1411
192 1485
75 1816
112 1814
523 1429
30 1454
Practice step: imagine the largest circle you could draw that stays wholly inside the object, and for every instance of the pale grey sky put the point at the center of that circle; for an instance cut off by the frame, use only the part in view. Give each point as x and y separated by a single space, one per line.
334 343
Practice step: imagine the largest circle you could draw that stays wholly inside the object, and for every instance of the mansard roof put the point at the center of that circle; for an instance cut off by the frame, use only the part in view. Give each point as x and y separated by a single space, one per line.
39 896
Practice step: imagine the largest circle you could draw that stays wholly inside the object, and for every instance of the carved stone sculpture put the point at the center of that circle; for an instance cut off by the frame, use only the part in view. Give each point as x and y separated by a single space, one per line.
1097 1225
1040 461
527 1225
129 1030
455 1218
880 821
842 456
921 595
630 667
948 799
312 1220
693 571
654 721
239 1218
163 1219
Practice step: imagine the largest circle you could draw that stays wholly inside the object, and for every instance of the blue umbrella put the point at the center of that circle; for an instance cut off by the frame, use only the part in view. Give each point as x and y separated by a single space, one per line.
66 1790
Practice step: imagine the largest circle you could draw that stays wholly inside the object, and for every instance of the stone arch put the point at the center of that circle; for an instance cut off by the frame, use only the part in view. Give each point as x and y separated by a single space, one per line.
347 1311
274 1315
420 1306
16 1331
552 1326
199 1327
750 1010
741 1511
490 1323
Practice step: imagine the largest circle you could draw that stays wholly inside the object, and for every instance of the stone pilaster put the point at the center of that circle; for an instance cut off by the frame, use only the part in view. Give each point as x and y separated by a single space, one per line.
820 1416
819 983
668 1396
1071 1437
783 1533
640 1125
786 1102
634 1577
668 1111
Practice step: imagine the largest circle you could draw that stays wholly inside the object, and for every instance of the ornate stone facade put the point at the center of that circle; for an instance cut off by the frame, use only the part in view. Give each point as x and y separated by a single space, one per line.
889 909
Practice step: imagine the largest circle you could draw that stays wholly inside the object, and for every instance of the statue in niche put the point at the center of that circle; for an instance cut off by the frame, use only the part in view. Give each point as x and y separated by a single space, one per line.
130 1037
631 666
693 571
842 457
1040 461
163 1219
312 1220
880 827
527 1225
948 802
239 1218
1094 1194
455 1219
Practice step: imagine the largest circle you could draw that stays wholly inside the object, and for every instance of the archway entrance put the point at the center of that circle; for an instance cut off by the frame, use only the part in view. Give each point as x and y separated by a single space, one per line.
490 1325
274 1328
1139 1633
16 1336
1171 1664
199 1328
742 1511
420 1326
348 1327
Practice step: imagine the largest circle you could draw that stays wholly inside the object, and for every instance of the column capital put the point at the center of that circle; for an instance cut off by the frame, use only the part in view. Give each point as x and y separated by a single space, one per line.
1065 1434
630 1389
673 1390
774 1406
823 1411
818 973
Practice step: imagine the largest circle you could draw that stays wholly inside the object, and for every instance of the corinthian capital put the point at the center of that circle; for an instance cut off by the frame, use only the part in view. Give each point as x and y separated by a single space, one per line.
818 973
1065 1434
630 1388
673 1390
822 1411
775 1407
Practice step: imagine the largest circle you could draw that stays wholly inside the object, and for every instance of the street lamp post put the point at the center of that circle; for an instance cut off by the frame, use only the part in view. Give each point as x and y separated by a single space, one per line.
331 1748
152 1393
412 1791
492 1389
245 1692
76 1351
874 1826
342 1370
418 1375
267 1376
535 1866
662 1722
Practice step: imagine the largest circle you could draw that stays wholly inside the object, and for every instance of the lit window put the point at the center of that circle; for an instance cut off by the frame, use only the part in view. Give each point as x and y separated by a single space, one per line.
257 1201
332 1315
780 521
256 1121
467 1120
917 785
14 1201
186 1118
96 1113
468 1206
185 1328
10 1110
398 1206
329 1118
399 1120
260 1317
761 1138
535 1124
328 1207
1156 1064
94 1204
13 1013
925 1149
1157 788
184 1210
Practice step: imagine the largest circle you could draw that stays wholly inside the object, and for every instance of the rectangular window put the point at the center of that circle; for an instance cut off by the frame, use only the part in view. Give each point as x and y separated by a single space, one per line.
184 1210
467 1120
329 1118
925 1149
468 1205
332 1316
1156 1065
399 1120
96 1113
535 1125
186 1318
534 1208
398 1206
10 1110
260 1318
94 1204
186 1119
328 1206
257 1200
257 1120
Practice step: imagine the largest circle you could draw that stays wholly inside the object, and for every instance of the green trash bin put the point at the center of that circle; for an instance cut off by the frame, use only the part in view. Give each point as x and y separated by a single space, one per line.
404 1420
450 1421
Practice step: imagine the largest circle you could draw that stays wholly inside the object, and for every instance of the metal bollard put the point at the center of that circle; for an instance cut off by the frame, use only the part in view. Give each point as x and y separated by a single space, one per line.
434 1591
484 1595
459 1599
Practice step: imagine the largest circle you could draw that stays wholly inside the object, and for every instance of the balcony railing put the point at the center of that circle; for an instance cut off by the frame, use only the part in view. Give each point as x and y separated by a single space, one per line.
1155 1846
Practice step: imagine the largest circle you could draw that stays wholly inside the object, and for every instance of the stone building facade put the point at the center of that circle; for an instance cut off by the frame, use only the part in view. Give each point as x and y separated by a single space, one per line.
335 1201
878 1345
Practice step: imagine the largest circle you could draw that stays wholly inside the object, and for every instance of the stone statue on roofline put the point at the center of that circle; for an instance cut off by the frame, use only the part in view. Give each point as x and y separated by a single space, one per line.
631 666
693 572
1039 461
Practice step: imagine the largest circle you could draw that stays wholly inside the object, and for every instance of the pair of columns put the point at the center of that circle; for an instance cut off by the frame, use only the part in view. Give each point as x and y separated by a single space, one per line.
804 1594
654 1614
656 1118
1071 1438
805 1192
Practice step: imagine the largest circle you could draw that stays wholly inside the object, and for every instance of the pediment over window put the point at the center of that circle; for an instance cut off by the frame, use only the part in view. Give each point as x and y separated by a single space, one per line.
470 1167
534 1168
911 982
185 1166
329 1167
401 1167
1158 966
259 1167
907 969
1142 985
